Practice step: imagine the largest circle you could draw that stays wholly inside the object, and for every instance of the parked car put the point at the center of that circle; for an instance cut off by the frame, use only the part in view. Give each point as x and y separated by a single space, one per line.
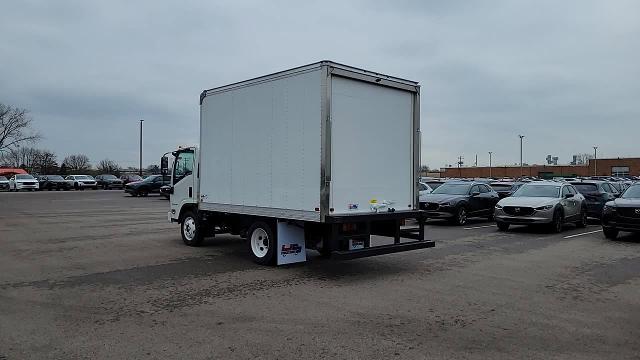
53 182
4 183
165 191
622 214
596 194
542 202
23 182
127 178
151 184
457 201
506 188
424 189
434 184
107 181
81 182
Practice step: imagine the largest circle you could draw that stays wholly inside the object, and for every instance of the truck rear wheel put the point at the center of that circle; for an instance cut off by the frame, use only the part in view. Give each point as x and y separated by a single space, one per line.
262 243
192 234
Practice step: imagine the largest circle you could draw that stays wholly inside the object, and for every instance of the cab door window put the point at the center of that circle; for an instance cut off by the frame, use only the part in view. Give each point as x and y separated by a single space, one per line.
183 166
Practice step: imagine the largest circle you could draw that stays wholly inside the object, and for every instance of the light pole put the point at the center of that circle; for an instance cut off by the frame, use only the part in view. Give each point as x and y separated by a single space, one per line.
490 153
595 161
521 171
140 169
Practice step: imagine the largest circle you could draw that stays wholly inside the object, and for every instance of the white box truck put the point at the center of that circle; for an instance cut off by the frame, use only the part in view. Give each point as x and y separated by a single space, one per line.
323 156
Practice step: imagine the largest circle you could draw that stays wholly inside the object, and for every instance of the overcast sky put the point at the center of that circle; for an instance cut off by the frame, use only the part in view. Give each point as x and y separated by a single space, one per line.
566 74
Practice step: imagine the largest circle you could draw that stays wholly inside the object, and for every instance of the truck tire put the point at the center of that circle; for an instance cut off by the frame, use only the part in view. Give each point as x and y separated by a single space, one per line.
262 243
190 229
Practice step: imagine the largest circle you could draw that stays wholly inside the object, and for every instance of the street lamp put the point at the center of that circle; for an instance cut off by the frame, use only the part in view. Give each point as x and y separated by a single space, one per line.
140 169
595 161
521 171
490 153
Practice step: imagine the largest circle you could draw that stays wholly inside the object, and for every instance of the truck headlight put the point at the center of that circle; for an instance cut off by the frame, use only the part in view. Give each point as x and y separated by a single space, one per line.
546 207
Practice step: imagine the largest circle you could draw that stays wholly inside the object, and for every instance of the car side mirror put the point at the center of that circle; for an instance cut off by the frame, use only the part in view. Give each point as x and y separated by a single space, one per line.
568 196
475 193
164 165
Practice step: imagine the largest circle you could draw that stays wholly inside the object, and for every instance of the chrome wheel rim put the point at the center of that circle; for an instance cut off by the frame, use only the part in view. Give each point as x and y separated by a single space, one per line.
462 216
259 243
189 228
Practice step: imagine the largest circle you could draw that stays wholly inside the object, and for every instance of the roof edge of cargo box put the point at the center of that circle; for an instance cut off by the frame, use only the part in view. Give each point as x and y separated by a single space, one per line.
389 80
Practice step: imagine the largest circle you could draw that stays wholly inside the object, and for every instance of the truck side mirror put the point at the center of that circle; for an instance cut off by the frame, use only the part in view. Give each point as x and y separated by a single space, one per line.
164 165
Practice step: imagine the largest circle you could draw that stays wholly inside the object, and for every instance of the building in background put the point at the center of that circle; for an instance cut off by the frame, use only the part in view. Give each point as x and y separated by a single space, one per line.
603 167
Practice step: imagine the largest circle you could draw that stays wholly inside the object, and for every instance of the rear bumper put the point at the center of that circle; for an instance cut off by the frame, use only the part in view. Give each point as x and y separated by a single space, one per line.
382 250
387 224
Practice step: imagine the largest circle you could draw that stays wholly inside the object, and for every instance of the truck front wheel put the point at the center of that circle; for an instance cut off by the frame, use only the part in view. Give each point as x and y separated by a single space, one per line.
192 234
262 243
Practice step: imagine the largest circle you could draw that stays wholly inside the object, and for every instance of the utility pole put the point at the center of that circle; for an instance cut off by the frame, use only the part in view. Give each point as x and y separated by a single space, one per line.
460 162
521 170
595 161
140 169
490 153
476 165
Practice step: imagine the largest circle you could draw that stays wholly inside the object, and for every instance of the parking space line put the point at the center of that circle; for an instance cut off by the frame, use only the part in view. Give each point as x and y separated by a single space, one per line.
478 227
587 233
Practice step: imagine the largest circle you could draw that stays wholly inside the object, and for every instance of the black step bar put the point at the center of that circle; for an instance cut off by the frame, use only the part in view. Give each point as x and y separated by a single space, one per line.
381 250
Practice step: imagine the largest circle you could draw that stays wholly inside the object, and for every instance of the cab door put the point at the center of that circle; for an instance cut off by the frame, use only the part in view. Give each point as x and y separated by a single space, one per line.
182 181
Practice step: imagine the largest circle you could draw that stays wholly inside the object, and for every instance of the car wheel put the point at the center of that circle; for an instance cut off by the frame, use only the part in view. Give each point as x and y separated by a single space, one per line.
143 192
584 221
556 223
490 217
262 243
610 233
460 218
75 186
191 230
503 226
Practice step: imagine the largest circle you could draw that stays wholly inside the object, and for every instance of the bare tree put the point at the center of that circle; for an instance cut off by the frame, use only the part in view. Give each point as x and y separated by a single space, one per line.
107 166
22 157
47 163
77 162
153 169
15 127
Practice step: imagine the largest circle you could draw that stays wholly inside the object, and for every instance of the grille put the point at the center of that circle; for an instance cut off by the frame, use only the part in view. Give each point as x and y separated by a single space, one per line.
518 211
432 206
629 212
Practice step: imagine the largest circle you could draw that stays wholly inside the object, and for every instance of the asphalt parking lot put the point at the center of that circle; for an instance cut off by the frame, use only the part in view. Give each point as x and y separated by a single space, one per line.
97 274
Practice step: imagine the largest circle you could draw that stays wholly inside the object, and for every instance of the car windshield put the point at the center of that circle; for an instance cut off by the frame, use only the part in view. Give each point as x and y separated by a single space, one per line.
24 177
54 177
135 177
453 189
82 177
552 191
109 177
2 178
434 185
151 178
585 187
632 193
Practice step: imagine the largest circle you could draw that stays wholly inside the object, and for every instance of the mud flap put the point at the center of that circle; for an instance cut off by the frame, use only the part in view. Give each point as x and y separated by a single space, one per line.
291 245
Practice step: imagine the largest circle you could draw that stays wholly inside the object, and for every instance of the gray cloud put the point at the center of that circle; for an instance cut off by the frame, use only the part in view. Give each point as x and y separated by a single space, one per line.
563 73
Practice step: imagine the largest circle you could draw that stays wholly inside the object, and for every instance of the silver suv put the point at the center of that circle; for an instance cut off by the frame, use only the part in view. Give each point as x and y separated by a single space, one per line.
545 202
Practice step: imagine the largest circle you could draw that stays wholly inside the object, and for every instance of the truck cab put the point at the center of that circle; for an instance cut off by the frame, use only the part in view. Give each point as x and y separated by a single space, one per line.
184 187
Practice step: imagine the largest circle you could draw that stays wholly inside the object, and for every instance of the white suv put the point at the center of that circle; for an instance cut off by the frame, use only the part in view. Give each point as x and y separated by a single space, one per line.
23 182
80 182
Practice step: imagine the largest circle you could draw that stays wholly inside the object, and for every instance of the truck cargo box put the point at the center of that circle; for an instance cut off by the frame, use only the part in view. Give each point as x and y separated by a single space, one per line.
310 143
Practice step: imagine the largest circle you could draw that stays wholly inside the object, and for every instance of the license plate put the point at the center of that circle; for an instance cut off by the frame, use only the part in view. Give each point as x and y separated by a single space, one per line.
356 244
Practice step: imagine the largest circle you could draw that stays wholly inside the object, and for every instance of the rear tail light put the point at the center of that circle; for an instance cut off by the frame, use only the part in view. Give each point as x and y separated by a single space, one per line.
349 227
